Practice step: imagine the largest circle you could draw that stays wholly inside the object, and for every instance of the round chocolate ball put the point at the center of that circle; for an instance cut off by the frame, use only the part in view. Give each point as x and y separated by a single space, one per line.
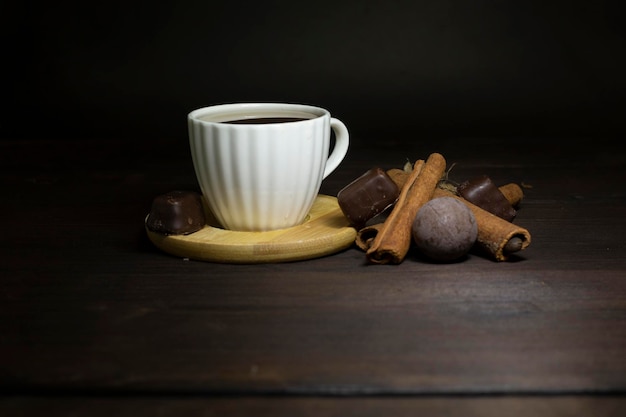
176 213
444 229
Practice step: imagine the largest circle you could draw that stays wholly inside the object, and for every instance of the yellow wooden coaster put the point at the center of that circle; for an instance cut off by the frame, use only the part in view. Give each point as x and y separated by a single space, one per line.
325 231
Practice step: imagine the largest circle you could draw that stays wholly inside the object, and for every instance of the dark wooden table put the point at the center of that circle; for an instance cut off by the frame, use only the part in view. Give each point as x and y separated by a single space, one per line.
94 320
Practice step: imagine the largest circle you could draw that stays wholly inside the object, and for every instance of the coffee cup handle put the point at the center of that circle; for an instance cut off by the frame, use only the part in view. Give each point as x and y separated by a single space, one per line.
342 140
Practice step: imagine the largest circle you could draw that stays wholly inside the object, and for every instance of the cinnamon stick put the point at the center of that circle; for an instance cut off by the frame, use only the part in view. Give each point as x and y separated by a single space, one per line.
496 236
399 176
393 240
365 236
513 193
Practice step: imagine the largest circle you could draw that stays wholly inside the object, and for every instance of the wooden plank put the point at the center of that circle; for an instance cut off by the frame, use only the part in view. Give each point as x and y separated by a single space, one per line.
513 406
87 303
324 328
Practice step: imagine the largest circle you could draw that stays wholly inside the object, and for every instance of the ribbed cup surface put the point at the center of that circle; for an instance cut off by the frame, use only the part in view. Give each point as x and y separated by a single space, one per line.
260 177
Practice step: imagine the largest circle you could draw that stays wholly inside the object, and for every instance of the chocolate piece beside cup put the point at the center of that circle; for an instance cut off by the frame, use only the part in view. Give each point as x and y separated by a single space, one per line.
482 192
367 196
176 213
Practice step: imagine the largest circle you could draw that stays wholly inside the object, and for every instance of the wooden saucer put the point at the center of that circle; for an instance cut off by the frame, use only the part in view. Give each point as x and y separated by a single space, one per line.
324 232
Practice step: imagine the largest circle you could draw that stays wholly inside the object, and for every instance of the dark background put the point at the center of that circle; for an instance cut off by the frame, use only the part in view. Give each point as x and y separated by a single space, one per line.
393 71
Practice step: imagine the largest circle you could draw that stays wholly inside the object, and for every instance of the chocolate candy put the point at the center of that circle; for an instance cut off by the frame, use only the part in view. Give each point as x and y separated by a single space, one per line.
482 192
444 229
367 196
176 213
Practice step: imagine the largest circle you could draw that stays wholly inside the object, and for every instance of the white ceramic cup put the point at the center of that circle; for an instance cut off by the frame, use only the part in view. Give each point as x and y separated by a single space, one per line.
263 174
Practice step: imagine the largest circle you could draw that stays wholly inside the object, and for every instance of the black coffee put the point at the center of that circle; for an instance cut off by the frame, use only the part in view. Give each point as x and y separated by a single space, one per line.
264 120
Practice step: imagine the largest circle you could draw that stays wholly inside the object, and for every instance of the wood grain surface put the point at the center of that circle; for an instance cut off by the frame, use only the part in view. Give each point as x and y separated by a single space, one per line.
93 316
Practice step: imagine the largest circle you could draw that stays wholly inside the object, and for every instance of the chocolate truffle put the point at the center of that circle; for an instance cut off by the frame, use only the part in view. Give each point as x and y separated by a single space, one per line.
367 196
176 213
444 229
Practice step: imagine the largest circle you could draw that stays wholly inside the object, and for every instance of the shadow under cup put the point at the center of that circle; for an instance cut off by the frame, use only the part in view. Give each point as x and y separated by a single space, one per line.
260 166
